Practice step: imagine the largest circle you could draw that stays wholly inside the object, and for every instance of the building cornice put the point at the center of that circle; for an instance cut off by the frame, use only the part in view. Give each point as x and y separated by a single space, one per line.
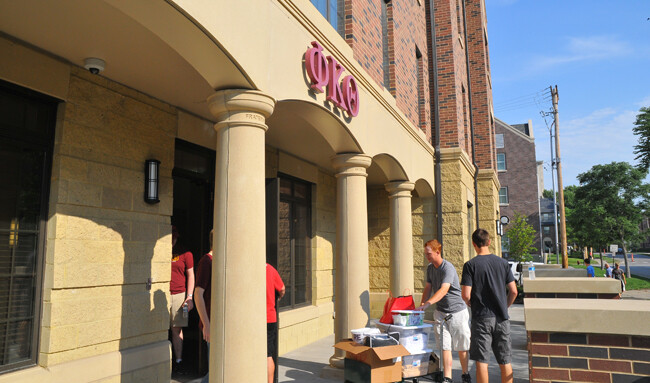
457 154
487 175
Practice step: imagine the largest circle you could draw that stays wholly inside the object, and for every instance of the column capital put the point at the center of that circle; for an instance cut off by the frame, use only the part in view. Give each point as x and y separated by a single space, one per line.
350 164
235 107
399 188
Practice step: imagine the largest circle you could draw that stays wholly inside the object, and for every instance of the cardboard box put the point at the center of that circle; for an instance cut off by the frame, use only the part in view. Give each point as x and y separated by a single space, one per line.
377 364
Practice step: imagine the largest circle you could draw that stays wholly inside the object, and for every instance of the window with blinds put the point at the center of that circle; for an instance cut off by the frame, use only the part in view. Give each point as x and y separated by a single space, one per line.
26 126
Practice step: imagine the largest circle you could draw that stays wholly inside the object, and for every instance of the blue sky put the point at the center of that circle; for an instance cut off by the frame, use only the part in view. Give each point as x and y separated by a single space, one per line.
598 54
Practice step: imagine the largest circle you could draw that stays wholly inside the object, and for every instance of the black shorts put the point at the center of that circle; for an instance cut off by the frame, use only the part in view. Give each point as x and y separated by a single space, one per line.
271 338
488 333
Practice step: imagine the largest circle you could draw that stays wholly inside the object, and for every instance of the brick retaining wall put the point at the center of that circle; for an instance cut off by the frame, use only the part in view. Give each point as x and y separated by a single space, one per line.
581 357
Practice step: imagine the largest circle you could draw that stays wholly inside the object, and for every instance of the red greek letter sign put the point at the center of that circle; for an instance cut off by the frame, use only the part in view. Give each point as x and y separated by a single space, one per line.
326 71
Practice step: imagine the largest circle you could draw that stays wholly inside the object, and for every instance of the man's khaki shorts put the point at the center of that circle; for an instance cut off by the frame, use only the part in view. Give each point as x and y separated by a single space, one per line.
176 311
456 332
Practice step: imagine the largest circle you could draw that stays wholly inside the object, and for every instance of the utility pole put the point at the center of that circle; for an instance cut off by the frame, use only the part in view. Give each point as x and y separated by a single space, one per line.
560 186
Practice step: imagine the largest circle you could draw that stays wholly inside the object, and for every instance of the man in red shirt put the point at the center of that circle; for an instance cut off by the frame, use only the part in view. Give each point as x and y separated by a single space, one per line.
203 292
273 283
182 282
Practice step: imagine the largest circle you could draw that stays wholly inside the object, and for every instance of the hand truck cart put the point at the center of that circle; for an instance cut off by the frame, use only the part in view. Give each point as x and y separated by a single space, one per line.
436 376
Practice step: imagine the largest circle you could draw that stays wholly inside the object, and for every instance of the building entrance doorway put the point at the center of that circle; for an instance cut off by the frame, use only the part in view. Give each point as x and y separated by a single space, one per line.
193 176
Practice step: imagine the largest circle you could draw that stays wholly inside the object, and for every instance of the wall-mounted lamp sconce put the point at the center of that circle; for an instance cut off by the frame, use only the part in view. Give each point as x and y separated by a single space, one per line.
151 178
499 228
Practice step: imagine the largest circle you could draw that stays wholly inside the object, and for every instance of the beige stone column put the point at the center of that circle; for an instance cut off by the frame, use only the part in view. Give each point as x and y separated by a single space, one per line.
401 236
238 318
352 295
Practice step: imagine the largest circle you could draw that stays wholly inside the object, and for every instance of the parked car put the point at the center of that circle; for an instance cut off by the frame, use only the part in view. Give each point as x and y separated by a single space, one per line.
517 269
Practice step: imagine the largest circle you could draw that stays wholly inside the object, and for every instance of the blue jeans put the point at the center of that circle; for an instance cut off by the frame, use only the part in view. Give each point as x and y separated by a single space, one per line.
207 376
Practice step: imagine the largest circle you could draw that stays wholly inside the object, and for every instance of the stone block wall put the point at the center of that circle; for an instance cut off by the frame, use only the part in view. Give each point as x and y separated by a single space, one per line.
103 241
423 220
458 220
488 206
424 229
588 357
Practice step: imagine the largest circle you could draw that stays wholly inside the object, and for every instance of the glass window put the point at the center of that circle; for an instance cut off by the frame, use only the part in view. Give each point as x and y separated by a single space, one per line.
332 10
503 196
294 241
499 141
26 127
501 161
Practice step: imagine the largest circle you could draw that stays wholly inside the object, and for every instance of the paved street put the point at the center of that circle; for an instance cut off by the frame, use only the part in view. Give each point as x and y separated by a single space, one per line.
640 266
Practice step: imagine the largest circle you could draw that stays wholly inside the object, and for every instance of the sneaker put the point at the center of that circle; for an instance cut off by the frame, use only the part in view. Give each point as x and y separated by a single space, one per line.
447 380
467 378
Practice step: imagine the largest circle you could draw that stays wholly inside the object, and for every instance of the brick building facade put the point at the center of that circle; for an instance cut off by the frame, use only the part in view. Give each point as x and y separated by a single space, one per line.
518 170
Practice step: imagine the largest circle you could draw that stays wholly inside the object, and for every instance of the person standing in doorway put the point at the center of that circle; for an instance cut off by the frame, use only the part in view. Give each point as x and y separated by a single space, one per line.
181 287
273 284
488 287
442 288
202 292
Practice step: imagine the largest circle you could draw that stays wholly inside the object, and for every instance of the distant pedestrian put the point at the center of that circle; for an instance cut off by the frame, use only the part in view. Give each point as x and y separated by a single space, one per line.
608 270
489 288
619 274
590 269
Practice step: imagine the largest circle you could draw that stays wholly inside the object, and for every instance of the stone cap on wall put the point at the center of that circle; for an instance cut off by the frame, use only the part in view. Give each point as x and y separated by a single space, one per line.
589 316
555 272
572 285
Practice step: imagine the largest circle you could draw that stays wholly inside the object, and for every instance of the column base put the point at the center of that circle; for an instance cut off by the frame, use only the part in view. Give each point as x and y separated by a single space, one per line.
332 373
337 362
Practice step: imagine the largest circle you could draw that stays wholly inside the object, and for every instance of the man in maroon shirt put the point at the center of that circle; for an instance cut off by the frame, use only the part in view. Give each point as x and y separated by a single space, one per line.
203 296
182 282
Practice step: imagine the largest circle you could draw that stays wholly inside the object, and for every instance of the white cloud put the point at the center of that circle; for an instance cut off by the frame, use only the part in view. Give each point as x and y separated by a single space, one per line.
645 103
580 49
601 137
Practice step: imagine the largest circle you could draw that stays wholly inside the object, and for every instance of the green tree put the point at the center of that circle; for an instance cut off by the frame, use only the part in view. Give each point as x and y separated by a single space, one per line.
521 236
548 194
642 129
609 205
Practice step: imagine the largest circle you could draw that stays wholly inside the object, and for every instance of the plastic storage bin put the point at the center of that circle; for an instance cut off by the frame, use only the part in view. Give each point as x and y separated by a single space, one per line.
416 360
413 338
413 317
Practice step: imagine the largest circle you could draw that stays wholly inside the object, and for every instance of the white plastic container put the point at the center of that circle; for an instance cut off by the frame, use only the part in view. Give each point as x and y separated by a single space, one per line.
413 338
414 317
416 360
531 271
359 335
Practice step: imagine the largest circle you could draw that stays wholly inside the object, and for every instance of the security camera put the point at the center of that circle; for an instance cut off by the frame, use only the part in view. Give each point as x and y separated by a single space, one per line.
94 65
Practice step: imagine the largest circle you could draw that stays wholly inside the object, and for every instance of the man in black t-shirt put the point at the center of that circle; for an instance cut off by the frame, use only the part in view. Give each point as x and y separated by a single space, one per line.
489 288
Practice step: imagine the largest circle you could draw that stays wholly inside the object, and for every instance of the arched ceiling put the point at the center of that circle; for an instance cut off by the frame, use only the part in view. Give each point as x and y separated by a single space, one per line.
309 131
149 46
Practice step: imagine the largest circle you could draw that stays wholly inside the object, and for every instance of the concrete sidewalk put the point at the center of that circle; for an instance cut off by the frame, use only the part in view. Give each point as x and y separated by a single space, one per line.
307 363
